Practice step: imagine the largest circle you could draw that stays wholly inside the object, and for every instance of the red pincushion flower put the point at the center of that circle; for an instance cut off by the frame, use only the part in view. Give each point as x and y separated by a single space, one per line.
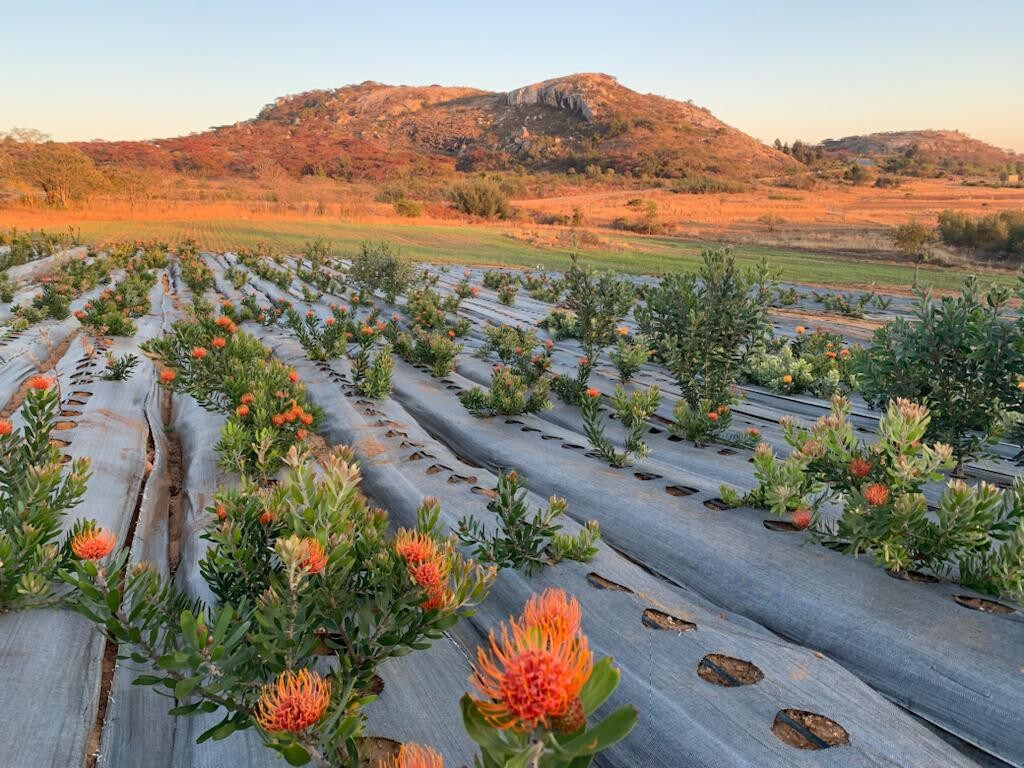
860 467
242 411
554 610
591 392
247 398
199 353
713 416
293 376
40 383
314 559
414 756
802 518
5 427
218 343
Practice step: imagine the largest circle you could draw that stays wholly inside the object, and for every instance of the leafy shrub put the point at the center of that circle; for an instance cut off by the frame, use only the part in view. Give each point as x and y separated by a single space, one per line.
629 355
371 375
507 294
437 350
303 569
599 301
35 496
511 393
110 314
119 368
522 541
958 357
705 326
381 266
633 410
818 363
322 339
707 423
410 208
481 197
561 324
494 279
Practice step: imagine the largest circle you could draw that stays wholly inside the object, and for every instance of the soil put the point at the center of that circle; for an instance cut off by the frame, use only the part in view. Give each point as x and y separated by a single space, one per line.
602 583
661 620
106 679
737 671
981 604
828 733
175 477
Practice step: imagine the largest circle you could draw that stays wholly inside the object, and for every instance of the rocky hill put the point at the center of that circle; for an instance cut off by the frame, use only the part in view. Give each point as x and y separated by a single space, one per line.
951 150
375 131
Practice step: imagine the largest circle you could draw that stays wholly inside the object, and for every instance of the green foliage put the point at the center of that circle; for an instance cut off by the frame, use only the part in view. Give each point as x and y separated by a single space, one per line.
817 362
437 350
195 272
1001 232
381 266
119 368
958 357
629 355
633 409
707 423
316 576
599 301
507 294
110 314
509 394
371 374
561 324
35 496
705 325
232 373
520 540
481 197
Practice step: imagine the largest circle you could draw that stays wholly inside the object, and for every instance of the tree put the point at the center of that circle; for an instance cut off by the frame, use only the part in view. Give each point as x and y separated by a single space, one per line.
858 174
481 197
911 240
62 172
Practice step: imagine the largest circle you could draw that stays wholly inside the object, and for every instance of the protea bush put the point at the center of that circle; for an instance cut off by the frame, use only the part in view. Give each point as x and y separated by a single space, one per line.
633 409
111 313
36 494
371 374
303 571
708 423
510 393
818 362
230 372
323 339
629 354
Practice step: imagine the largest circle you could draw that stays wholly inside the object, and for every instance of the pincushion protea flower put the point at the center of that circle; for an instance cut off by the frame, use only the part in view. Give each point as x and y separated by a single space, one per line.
415 546
293 702
313 557
414 756
591 392
40 382
555 610
532 678
802 518
93 544
5 427
876 494
199 353
860 467
167 375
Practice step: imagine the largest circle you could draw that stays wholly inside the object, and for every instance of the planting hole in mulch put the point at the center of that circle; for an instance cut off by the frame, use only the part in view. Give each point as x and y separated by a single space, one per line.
660 620
716 504
365 402
417 456
719 669
394 433
376 750
512 421
675 439
461 479
661 420
491 493
69 412
528 429
646 476
573 446
655 431
680 490
914 576
602 583
726 452
454 387
64 425
550 437
433 469
981 604
780 525
59 443
806 730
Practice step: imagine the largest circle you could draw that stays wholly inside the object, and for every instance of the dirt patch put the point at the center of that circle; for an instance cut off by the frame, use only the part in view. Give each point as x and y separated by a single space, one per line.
175 478
981 604
370 447
660 620
107 667
719 669
807 730
374 750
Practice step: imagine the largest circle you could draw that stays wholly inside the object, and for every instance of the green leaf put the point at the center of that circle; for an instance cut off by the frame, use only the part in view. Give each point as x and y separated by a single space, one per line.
612 729
295 754
599 686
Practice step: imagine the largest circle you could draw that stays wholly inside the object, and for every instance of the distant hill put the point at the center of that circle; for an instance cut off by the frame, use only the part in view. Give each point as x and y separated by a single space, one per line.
374 131
947 150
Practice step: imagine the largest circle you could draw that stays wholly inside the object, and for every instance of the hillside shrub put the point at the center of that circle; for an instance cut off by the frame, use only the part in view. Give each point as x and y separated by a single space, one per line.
481 197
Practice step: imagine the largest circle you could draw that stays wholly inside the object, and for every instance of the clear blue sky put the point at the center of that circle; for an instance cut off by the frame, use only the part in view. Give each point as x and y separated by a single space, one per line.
147 68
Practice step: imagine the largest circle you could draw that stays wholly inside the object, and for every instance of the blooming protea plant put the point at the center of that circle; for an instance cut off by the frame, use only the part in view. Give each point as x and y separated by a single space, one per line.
537 685
35 496
633 410
302 570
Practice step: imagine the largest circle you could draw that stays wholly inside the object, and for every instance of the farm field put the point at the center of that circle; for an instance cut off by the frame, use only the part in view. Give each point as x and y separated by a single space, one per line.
519 245
362 468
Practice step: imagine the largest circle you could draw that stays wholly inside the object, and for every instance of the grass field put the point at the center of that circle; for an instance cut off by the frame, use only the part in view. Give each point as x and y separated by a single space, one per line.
495 244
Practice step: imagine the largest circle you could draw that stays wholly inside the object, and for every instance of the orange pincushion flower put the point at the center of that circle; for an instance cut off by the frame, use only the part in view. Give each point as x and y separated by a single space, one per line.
247 398
293 376
591 392
314 559
584 361
876 494
802 518
267 517
432 576
414 756
531 678
40 383
293 702
199 353
306 418
5 427
242 411
329 321
555 611
218 343
301 434
79 314
167 375
713 416
366 330
277 419
93 544
800 330
415 546
860 467
223 321
787 379
622 331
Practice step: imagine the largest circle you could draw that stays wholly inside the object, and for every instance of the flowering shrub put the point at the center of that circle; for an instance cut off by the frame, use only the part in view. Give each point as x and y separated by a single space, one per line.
35 496
629 355
818 363
260 260
371 375
302 570
507 294
58 289
961 356
977 532
543 288
510 394
633 410
231 372
195 272
537 686
119 368
322 339
437 350
524 542
708 423
110 314
428 310
494 279
705 325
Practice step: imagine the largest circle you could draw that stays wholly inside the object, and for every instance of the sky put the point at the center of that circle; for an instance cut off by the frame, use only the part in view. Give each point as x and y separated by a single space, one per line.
788 69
